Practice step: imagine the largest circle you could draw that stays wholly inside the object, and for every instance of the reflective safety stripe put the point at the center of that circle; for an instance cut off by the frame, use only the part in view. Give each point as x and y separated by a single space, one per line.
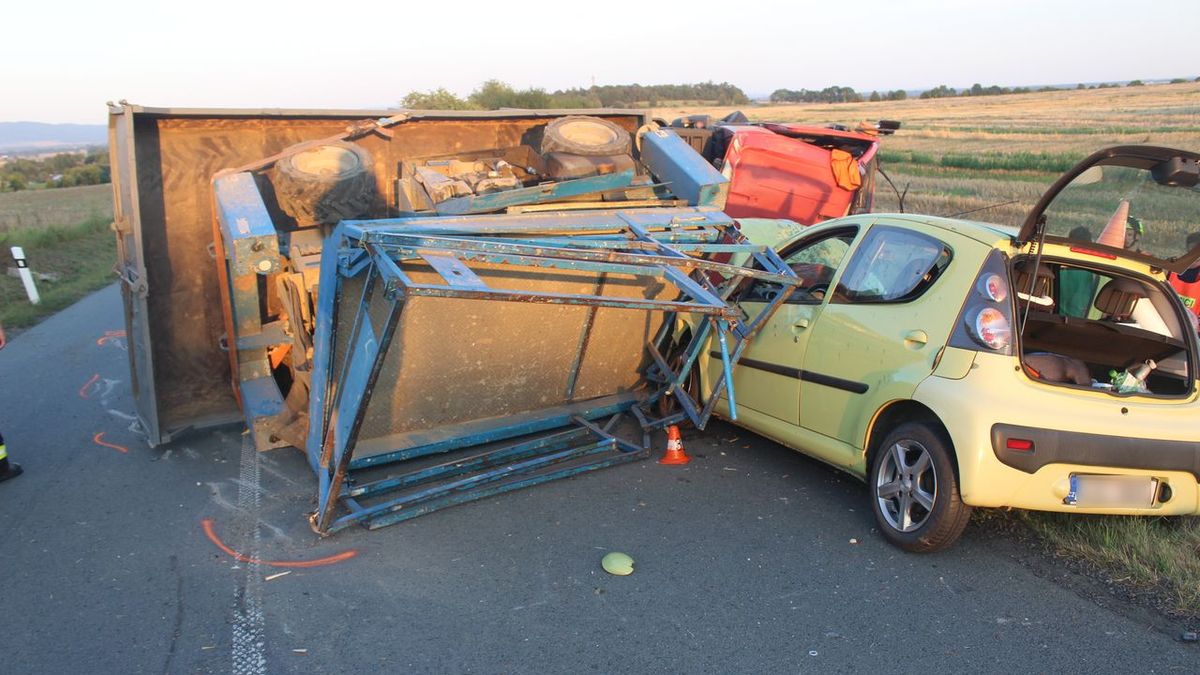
3 451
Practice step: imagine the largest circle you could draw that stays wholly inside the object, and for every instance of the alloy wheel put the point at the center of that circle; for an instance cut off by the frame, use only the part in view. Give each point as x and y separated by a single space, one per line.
906 485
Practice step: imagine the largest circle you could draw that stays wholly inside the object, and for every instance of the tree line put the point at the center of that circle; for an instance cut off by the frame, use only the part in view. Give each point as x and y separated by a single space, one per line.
838 94
834 94
494 94
66 169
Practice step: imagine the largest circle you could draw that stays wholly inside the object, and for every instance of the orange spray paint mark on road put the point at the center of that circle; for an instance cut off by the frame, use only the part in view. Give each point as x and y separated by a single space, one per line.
110 335
207 524
83 391
98 439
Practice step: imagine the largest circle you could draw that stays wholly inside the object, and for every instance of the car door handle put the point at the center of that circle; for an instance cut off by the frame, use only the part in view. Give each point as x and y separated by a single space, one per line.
800 325
915 339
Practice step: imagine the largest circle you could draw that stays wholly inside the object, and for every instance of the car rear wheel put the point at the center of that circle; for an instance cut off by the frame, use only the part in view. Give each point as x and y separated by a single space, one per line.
914 491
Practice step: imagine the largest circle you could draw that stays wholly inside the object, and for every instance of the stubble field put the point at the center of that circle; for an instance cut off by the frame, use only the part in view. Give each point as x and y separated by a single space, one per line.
991 157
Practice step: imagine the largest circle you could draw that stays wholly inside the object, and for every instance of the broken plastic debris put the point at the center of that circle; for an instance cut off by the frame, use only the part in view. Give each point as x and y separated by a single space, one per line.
617 563
269 577
302 652
853 541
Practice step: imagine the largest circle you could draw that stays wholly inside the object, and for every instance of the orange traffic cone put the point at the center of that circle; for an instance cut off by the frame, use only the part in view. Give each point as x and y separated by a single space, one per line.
675 453
1114 232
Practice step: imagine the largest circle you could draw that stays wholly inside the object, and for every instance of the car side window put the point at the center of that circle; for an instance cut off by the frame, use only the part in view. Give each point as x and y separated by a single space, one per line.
892 265
816 262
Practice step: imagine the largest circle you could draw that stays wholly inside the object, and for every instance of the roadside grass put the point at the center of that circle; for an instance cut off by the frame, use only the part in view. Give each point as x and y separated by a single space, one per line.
82 255
1155 555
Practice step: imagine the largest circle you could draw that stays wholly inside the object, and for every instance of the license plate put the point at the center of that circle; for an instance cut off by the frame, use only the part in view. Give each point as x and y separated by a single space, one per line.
1095 491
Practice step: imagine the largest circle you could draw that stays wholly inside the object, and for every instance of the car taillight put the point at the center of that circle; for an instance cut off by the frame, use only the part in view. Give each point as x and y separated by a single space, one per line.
993 287
991 328
986 317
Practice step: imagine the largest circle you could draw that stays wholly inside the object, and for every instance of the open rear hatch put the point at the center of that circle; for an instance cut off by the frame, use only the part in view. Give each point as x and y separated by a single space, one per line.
1087 322
1133 201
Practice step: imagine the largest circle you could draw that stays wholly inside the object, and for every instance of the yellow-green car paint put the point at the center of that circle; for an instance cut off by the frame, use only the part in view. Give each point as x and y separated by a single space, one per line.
968 391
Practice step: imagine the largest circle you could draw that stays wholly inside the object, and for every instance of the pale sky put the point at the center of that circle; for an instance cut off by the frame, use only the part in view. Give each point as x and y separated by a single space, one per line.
60 61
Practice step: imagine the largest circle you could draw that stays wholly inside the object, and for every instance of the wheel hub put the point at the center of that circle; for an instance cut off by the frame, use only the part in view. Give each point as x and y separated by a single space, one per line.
906 485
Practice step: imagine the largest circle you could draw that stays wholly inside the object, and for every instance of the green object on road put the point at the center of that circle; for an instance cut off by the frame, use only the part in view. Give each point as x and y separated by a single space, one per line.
616 563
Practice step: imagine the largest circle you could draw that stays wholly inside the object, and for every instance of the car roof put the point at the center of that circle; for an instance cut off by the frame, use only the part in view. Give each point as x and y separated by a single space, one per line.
986 233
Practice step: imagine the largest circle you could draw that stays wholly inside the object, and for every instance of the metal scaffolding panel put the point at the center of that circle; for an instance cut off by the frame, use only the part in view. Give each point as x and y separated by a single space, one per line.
447 334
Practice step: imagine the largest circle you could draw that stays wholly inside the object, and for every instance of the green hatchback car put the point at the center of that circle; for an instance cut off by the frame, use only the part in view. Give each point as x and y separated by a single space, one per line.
954 364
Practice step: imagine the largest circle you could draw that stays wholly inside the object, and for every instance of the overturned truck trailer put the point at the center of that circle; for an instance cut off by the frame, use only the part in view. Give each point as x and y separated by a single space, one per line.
380 287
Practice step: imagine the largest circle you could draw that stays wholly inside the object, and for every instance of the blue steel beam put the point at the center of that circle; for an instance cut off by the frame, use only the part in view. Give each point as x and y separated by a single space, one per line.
247 231
462 486
550 223
688 175
251 249
612 459
406 243
482 432
538 194
481 461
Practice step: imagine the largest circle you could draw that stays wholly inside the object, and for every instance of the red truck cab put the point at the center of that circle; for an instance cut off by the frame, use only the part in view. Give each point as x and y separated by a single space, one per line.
803 173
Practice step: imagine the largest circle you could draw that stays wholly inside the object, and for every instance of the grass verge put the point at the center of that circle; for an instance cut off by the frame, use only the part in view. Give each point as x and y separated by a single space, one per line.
1156 556
81 255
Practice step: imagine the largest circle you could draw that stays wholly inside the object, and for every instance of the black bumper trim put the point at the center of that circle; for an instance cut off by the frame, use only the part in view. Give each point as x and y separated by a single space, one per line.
1071 447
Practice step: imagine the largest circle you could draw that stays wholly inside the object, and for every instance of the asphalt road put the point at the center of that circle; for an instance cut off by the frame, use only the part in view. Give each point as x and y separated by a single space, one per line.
745 561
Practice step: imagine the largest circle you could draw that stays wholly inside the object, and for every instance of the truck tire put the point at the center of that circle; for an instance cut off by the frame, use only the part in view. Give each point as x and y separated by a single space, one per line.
580 135
325 184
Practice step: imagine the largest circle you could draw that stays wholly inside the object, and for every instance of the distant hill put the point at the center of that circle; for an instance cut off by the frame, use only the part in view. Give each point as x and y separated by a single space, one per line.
16 136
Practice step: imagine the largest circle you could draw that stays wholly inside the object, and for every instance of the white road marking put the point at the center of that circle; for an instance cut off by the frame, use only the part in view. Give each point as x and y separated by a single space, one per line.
249 621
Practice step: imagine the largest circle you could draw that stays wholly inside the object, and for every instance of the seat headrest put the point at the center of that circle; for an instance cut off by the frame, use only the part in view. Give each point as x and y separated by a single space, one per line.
1041 286
1118 297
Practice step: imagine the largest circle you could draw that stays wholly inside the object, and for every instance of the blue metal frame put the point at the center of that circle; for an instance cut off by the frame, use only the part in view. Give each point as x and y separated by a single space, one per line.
539 194
250 244
652 244
684 172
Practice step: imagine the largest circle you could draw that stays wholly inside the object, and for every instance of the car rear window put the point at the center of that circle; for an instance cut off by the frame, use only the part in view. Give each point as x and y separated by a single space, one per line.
892 265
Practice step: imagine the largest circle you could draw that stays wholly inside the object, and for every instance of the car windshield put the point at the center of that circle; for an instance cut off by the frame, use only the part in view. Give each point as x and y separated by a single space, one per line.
1126 207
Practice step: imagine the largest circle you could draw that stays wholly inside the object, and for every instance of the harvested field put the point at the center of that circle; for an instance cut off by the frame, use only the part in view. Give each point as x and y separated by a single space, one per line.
59 206
956 155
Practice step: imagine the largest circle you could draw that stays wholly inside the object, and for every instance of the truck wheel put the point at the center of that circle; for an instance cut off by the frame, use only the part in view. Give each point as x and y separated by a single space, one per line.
914 492
325 184
580 135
